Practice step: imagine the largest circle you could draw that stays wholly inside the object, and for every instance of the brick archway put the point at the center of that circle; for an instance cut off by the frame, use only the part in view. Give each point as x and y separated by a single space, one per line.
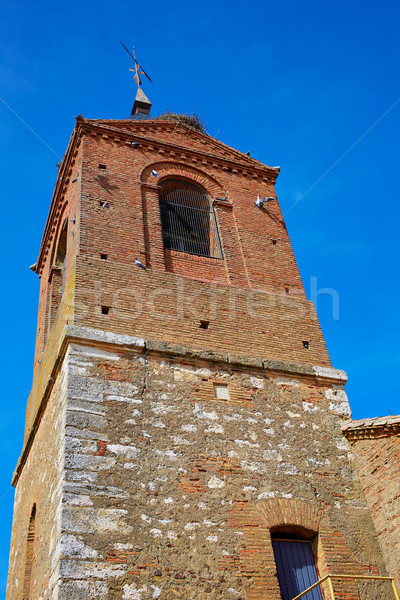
256 559
174 169
310 520
294 513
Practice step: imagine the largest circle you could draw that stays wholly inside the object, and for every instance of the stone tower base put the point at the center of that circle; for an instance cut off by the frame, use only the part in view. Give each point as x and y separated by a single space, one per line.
157 471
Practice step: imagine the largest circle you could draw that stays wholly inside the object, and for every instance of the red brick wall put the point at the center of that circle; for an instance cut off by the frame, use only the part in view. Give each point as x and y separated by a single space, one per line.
101 167
67 201
377 459
257 253
163 306
256 248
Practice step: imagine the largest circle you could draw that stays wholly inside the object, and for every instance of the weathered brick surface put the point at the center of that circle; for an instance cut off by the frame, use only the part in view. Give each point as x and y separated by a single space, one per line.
376 449
64 209
168 307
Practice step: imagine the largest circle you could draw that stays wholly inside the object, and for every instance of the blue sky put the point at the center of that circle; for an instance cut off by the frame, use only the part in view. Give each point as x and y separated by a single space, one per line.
296 83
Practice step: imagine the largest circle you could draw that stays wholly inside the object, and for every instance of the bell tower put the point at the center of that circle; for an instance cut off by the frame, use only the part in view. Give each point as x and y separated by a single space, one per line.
183 431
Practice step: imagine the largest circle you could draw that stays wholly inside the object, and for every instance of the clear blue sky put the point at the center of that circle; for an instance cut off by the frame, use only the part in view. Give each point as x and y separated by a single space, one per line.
296 83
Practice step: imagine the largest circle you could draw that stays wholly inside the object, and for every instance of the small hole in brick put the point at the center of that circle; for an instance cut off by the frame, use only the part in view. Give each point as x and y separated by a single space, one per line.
101 166
287 290
204 324
274 242
105 310
230 170
103 256
306 345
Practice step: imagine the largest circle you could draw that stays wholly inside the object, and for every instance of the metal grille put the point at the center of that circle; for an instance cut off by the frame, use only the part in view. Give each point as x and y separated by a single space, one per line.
187 219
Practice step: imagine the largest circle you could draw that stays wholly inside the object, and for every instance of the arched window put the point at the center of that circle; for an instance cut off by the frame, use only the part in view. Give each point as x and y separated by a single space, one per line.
295 565
58 274
29 555
187 219
61 254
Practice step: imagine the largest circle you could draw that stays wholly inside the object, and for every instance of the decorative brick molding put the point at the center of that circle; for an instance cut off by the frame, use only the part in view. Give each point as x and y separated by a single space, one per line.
372 428
178 169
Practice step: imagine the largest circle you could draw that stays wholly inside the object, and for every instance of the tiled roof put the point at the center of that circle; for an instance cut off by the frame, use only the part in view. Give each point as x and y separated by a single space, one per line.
375 422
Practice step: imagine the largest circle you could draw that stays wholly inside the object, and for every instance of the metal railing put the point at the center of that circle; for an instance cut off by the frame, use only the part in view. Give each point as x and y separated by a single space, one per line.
328 579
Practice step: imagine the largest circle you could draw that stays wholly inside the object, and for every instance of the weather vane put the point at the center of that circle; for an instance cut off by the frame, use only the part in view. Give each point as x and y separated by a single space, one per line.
138 70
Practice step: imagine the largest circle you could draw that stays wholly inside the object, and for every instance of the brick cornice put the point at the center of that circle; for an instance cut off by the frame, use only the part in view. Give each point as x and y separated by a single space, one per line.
254 167
60 189
167 125
366 433
375 427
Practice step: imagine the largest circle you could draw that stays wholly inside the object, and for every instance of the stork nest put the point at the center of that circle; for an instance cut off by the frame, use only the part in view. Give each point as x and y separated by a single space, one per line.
191 121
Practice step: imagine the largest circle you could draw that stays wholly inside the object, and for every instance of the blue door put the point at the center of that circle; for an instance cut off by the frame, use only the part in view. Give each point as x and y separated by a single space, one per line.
296 569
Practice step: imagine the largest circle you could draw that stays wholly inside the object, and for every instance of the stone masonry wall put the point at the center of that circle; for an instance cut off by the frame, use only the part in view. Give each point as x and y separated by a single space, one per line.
177 468
41 483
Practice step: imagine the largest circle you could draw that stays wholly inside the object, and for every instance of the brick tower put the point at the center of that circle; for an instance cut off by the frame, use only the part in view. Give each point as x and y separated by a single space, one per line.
183 431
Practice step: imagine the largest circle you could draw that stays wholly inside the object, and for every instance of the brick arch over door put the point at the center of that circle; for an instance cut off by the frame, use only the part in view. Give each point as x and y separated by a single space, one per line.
174 169
257 559
333 552
293 513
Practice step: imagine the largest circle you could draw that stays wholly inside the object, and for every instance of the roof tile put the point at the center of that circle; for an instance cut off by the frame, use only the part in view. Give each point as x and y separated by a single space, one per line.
371 422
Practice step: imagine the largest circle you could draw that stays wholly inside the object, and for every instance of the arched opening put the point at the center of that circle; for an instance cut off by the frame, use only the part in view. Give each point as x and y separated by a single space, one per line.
29 555
62 253
58 274
295 563
187 219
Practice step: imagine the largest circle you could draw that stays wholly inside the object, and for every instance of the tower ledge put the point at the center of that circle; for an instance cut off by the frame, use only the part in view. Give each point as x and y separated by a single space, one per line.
110 341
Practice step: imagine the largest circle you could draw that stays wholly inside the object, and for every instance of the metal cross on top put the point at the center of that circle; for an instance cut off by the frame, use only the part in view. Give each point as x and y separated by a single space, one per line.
138 70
